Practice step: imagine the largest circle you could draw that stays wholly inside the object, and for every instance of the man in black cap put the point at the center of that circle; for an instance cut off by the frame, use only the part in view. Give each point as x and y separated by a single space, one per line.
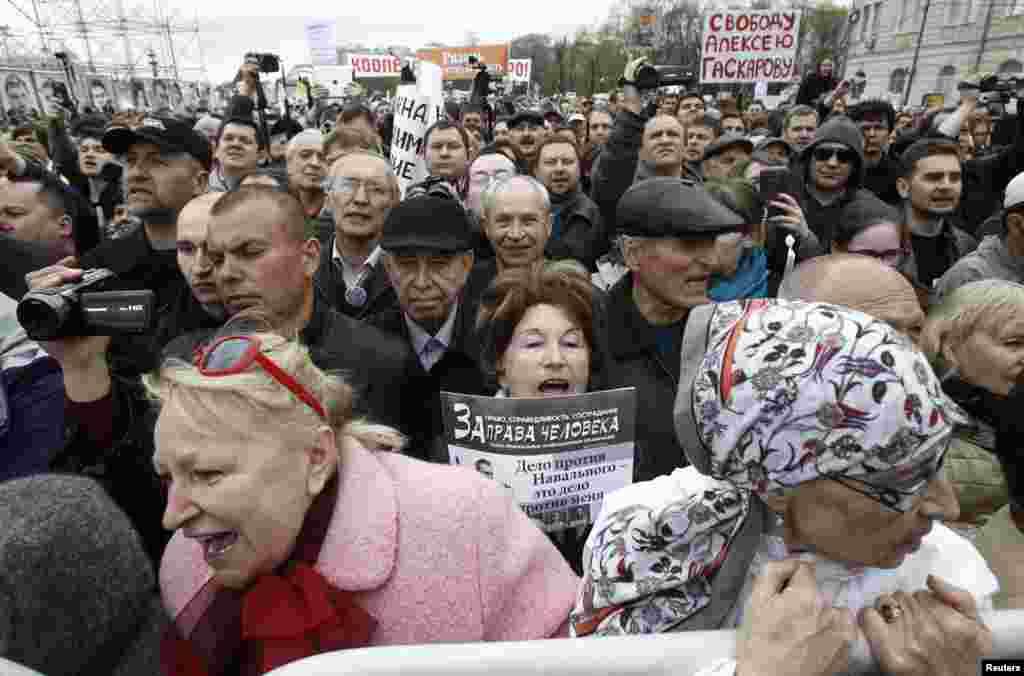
428 254
526 131
166 165
668 229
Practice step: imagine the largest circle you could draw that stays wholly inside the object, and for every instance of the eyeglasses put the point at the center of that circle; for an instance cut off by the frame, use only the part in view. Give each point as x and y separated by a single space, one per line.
232 355
844 155
898 488
891 257
350 186
483 180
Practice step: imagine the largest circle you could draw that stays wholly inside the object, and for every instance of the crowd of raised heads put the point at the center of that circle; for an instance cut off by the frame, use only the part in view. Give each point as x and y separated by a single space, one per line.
230 451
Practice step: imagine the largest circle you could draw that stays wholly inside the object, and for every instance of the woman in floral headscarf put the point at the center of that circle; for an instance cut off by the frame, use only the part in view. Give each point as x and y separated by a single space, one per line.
813 431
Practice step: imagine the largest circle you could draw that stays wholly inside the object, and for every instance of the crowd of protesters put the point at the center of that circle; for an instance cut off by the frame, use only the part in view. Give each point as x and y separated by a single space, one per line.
820 307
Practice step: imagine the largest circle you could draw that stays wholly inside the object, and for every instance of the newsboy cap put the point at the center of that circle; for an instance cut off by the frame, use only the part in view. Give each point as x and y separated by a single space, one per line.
673 207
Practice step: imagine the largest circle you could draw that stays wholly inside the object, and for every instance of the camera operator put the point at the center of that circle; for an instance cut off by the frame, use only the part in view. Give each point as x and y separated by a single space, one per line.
656 141
984 178
166 165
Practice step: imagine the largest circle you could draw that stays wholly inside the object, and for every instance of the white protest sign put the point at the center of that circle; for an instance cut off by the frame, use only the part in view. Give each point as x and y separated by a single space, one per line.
416 107
558 456
375 65
334 79
760 89
519 70
750 46
321 38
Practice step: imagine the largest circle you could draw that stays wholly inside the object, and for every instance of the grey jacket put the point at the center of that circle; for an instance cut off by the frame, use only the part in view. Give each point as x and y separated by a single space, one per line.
991 260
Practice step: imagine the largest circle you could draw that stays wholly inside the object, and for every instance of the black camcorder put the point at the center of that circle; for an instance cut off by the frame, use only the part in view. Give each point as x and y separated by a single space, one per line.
87 307
651 77
998 88
268 63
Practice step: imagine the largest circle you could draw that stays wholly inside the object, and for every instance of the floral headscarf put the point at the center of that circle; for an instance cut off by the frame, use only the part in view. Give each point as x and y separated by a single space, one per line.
772 394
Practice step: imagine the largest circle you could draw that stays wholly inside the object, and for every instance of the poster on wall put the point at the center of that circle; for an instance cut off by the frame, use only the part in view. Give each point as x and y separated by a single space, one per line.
19 97
100 94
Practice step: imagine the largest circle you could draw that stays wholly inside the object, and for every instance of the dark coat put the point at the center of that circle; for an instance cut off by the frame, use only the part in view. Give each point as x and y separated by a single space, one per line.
330 283
65 163
881 179
639 364
956 244
457 371
581 233
813 87
985 178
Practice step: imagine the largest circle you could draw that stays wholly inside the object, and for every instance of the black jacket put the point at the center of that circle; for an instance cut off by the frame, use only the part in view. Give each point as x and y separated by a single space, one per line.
330 283
457 371
985 178
615 171
957 243
813 87
581 233
881 179
638 363
124 466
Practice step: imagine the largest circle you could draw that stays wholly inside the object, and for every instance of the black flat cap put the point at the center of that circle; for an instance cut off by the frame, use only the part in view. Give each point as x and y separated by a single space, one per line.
673 207
427 224
526 116
726 141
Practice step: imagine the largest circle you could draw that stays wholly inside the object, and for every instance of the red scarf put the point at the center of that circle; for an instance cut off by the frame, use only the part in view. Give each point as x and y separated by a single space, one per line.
284 616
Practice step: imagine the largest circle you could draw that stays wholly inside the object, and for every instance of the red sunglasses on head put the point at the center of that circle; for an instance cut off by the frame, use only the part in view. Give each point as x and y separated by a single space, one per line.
231 355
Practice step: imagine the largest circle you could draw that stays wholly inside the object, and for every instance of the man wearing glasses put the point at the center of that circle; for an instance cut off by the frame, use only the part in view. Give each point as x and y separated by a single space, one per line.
361 190
428 254
828 176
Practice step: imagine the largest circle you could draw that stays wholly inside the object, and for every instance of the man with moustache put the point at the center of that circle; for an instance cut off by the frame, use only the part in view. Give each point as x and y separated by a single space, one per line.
526 131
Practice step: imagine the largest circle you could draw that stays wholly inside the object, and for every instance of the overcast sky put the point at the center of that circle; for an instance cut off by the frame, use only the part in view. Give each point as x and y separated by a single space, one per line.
233 27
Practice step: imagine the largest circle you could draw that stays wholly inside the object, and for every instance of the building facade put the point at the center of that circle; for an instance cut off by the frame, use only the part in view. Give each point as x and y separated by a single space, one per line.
960 37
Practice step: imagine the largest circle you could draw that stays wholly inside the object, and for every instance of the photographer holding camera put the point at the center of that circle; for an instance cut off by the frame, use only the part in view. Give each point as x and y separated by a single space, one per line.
166 165
654 142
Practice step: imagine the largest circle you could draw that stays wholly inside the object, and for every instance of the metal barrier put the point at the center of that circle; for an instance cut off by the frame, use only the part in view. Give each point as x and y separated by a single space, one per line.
660 655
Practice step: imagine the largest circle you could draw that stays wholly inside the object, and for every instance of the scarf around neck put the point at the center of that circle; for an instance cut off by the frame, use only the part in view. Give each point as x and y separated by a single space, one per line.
283 616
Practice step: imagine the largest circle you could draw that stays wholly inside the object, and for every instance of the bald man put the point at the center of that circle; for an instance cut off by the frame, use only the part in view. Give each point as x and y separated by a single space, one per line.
858 282
193 261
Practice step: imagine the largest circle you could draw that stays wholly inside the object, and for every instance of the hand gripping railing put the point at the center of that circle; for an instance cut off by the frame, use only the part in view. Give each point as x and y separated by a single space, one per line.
680 654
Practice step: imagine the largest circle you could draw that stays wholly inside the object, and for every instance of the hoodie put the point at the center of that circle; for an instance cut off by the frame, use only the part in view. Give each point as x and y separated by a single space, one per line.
823 218
991 260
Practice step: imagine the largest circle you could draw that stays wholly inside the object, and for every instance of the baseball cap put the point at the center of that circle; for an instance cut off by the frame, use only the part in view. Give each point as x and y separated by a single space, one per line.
1014 192
427 224
673 207
576 117
726 141
168 133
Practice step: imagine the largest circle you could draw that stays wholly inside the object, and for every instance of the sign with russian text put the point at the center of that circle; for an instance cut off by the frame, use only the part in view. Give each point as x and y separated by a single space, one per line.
416 107
454 61
321 38
750 46
375 65
558 456
520 70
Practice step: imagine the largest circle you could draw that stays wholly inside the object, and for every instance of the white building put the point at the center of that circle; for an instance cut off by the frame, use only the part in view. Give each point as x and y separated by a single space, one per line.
955 43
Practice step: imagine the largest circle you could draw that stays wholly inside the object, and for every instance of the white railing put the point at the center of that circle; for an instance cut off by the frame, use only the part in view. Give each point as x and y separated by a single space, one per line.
680 654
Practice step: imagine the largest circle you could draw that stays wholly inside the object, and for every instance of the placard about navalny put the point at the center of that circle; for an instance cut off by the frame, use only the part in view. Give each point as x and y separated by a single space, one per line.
558 456
750 46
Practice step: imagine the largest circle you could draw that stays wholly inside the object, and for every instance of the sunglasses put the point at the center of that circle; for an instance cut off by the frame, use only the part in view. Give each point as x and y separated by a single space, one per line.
844 155
232 355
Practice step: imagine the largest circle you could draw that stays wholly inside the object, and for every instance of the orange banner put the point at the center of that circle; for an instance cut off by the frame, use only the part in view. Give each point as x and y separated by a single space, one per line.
454 61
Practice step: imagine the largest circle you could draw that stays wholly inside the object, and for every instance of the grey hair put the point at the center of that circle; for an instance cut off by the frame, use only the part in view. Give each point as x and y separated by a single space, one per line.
306 137
491 193
977 305
389 172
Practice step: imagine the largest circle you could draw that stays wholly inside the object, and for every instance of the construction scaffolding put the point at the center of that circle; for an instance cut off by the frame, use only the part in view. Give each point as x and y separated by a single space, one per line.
119 39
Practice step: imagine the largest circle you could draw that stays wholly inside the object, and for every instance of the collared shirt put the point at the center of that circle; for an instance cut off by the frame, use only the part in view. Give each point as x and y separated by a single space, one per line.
429 349
349 272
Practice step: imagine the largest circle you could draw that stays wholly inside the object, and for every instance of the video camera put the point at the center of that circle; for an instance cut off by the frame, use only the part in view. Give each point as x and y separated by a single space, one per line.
999 88
88 307
267 63
651 77
432 186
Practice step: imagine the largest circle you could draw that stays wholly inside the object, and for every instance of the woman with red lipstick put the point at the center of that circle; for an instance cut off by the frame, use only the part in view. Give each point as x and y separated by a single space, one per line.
815 433
297 533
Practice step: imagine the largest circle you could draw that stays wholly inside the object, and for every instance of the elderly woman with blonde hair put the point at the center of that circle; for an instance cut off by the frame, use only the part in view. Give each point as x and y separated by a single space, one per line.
975 339
296 532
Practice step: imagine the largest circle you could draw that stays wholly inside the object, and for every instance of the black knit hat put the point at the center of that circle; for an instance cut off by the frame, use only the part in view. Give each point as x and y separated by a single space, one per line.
427 224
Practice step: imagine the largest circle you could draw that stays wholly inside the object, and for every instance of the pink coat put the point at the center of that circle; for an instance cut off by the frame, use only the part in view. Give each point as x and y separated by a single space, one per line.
439 554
